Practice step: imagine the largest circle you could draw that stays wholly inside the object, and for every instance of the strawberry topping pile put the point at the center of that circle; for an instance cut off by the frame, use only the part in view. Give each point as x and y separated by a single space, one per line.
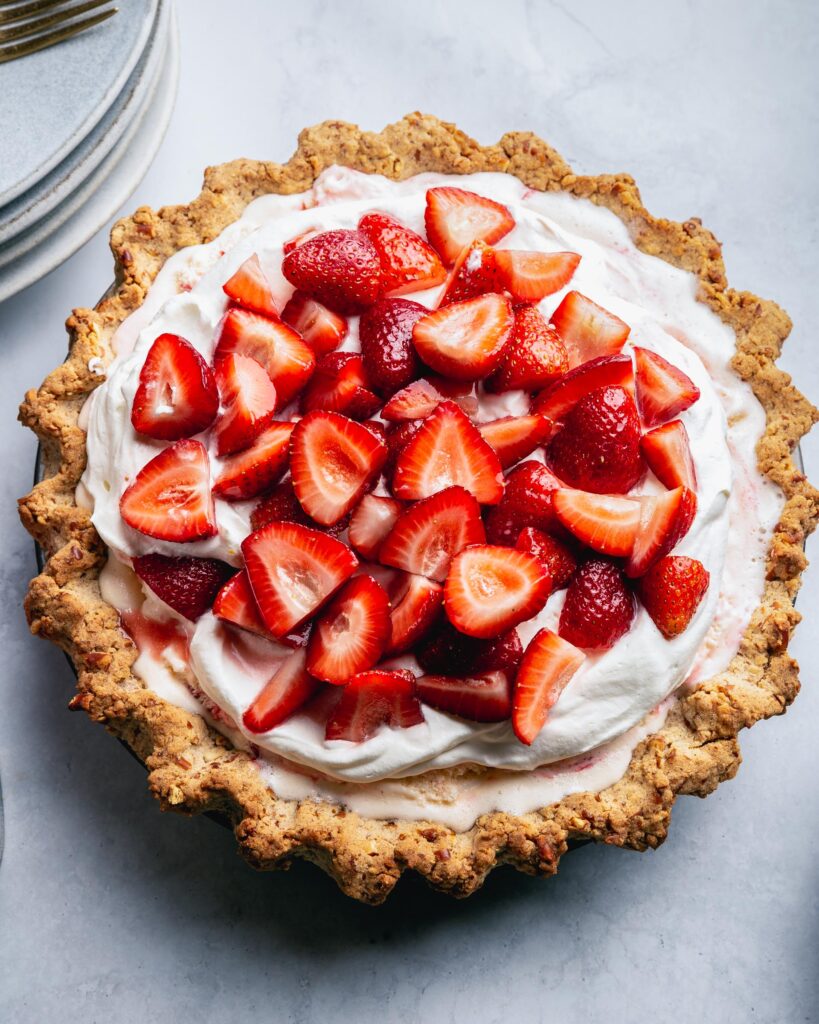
388 518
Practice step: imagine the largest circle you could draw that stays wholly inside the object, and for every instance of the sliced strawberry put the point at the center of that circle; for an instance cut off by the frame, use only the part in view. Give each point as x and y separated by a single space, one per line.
281 505
248 403
414 402
371 522
236 604
515 437
599 607
289 361
604 522
333 461
170 497
339 384
534 356
561 396
188 585
430 533
455 218
255 470
664 521
598 448
447 450
320 327
397 438
385 334
526 501
339 268
671 592
486 698
668 454
250 288
531 276
408 263
474 274
373 699
548 665
663 390
559 561
465 340
177 395
351 633
588 330
446 652
415 609
288 689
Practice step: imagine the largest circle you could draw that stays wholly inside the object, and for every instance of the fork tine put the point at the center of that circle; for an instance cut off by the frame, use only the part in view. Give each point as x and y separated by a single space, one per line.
29 46
19 12
32 28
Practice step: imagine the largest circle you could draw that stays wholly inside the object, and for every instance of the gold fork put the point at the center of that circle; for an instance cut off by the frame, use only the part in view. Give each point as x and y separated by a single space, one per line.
43 23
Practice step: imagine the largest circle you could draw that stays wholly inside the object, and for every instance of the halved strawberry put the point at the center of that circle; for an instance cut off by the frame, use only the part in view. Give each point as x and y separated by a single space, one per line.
561 396
664 521
474 274
430 533
534 355
385 332
531 276
548 665
397 438
671 592
177 395
408 263
558 559
250 288
371 522
527 501
339 384
320 327
447 652
515 437
455 218
248 403
416 604
170 497
339 268
490 589
599 607
281 505
288 689
351 633
253 471
293 571
188 585
288 360
373 699
236 604
604 522
486 698
447 450
668 454
465 340
333 461
663 390
414 402
462 392
588 331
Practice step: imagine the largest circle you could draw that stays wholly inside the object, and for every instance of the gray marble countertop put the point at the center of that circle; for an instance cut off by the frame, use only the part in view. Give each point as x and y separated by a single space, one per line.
111 911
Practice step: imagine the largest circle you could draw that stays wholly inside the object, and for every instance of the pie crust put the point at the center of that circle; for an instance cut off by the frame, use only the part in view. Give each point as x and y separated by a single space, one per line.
193 769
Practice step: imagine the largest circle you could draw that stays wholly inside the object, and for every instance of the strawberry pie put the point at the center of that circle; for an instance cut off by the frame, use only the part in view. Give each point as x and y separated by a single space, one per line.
417 504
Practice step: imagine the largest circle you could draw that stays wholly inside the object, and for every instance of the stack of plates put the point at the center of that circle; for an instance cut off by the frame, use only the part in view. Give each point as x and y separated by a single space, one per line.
81 123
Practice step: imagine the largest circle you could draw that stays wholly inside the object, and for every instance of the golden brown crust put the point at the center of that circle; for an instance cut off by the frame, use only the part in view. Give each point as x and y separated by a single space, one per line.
192 768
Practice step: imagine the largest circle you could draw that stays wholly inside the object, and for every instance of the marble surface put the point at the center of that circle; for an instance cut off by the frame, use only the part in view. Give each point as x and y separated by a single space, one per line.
111 911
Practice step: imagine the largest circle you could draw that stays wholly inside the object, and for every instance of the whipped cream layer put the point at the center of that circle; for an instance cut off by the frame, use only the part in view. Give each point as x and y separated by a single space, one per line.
614 690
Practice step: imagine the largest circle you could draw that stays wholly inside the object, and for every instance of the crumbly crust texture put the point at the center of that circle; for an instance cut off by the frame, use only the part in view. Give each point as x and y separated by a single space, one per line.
192 768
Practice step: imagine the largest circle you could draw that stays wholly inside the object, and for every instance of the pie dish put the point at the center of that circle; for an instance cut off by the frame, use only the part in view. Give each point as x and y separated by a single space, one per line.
544 537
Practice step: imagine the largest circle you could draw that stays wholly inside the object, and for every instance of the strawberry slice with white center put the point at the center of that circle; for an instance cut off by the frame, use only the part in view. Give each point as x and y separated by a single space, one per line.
253 471
371 522
339 268
474 274
248 403
490 589
447 450
531 276
188 585
486 698
288 689
236 604
339 384
288 360
170 497
250 288
351 633
588 331
548 665
371 700
663 390
416 604
430 533
515 437
668 454
177 395
664 521
408 262
320 327
414 402
607 523
333 461
465 341
556 401
455 218
534 355
293 571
